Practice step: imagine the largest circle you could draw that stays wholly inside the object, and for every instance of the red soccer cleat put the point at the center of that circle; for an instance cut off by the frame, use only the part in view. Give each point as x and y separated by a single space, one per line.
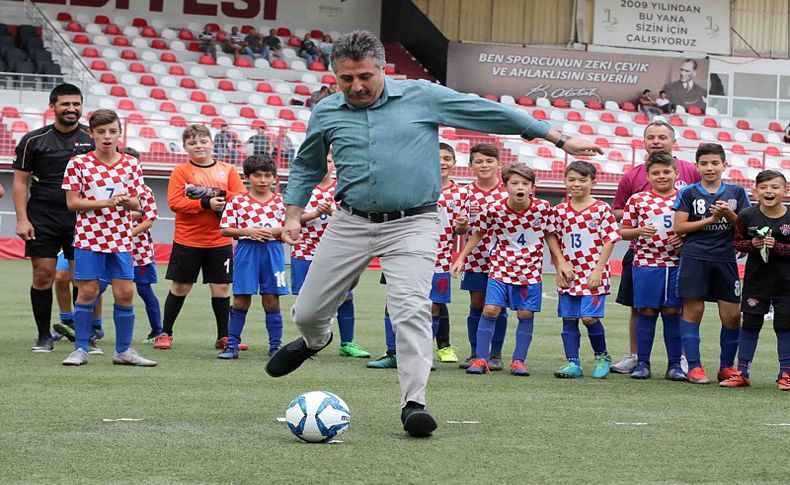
736 380
783 383
221 343
697 376
163 342
726 373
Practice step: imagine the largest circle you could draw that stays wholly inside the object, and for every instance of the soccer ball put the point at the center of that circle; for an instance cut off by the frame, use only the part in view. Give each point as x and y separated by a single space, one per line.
317 416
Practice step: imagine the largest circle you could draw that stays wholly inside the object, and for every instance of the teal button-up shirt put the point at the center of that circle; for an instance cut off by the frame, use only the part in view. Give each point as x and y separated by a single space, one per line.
387 155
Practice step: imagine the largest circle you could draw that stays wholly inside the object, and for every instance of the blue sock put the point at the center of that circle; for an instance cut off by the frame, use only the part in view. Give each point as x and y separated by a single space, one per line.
485 333
123 316
526 327
471 326
645 334
571 339
689 335
747 345
82 325
345 320
146 292
67 317
434 325
783 349
597 336
389 333
274 326
235 326
728 340
672 337
499 333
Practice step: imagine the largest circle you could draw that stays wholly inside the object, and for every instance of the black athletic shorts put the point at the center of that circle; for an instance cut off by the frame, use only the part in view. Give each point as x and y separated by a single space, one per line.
215 263
625 293
761 306
54 228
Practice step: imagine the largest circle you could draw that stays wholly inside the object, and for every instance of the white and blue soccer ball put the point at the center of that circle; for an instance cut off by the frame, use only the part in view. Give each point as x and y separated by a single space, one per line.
317 416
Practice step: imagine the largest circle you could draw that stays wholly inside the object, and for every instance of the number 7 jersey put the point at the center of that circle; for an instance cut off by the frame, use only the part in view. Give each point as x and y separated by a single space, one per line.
582 235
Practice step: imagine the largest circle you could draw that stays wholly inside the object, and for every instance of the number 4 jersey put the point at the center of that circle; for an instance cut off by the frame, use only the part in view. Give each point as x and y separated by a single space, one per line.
649 208
582 235
517 256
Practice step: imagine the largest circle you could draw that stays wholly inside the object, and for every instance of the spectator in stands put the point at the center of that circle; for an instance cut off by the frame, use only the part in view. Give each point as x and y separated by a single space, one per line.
283 150
309 51
255 46
261 143
326 48
318 95
787 133
647 105
234 43
685 92
226 145
663 102
274 45
208 40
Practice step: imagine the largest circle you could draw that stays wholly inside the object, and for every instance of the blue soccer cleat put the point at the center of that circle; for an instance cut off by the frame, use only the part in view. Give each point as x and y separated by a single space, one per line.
570 371
641 370
675 373
229 353
602 364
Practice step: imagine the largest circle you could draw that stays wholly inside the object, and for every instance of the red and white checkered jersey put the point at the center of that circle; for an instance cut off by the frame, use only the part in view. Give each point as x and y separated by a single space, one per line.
143 243
517 257
313 230
245 212
646 208
450 205
109 229
478 201
582 235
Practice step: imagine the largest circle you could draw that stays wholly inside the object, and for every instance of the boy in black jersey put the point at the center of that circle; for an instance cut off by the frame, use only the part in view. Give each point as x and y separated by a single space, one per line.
763 231
42 219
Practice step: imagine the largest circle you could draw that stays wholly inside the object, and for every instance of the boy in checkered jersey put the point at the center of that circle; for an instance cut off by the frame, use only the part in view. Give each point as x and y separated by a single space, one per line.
648 219
585 233
518 224
315 218
102 188
485 190
255 219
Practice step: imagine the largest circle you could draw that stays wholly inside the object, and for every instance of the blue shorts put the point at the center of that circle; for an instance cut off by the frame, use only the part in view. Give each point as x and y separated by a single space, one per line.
474 281
656 287
440 288
571 306
260 268
699 279
92 265
63 263
299 269
145 275
515 297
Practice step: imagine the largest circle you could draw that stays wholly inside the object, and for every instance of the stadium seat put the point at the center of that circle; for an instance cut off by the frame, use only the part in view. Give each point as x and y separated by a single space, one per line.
317 66
247 112
81 39
101 20
525 101
558 166
622 131
676 121
147 80
148 32
594 104
118 91
302 90
207 60
90 52
258 124
607 117
738 149
112 29
198 97
586 130
158 147
10 112
602 142
208 110
176 71
120 41
264 88
136 67
186 35
296 42
63 17
690 135
158 44
167 107
127 105
139 22
490 97
133 118
157 93
274 100
545 152
693 110
218 122
328 79
449 134
19 126
298 127
641 119
724 136
99 65
74 27
758 138
226 85
129 55
283 32
755 163
775 126
710 123
279 64
616 156
736 174
628 106
773 151
188 83
287 114
462 147
108 78
178 121
539 114
168 57
243 61
574 116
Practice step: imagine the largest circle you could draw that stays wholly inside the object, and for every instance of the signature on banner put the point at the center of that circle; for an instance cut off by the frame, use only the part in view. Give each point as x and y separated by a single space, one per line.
545 91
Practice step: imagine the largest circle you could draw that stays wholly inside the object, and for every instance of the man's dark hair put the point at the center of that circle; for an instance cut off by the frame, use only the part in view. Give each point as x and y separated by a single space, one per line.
102 117
662 123
444 146
64 89
583 168
486 149
662 92
659 158
710 149
645 91
518 168
767 175
691 61
259 163
356 46
131 151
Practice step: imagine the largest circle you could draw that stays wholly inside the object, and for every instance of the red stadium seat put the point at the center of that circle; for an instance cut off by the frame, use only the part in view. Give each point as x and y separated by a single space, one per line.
694 110
186 34
539 114
247 112
158 147
637 144
101 19
178 121
120 41
208 110
462 147
710 123
545 152
676 121
594 104
490 97
10 112
328 79
135 118
213 27
112 29
298 127
294 41
176 71
99 65
274 100
317 66
188 83
608 117
785 164
148 32
574 116
198 97
127 105
724 136
264 88
279 64
602 142
129 55
560 103
302 90
74 27
136 67
449 134
226 85
19 126
63 17
758 138
287 114
616 156
690 135
158 44
147 80
641 119
558 166
118 91
139 22
525 101
316 34
81 39
586 130
218 122
743 125
736 174
283 32
738 149
167 107
627 106
258 124
158 93
243 61
168 57
221 36
775 126
622 131
194 47
207 60
108 78
755 163
773 151
245 29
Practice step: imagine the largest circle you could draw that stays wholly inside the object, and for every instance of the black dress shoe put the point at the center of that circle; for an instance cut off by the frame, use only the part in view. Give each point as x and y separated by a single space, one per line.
290 357
417 421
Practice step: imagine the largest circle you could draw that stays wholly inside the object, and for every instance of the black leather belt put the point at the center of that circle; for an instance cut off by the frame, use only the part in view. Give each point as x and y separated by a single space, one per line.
379 217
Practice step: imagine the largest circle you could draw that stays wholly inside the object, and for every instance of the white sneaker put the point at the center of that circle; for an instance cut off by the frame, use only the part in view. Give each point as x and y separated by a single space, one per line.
77 357
625 366
684 364
131 357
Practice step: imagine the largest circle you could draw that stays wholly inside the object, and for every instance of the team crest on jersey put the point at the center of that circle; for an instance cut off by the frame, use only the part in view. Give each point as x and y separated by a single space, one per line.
732 203
752 301
535 223
593 224
679 184
784 229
